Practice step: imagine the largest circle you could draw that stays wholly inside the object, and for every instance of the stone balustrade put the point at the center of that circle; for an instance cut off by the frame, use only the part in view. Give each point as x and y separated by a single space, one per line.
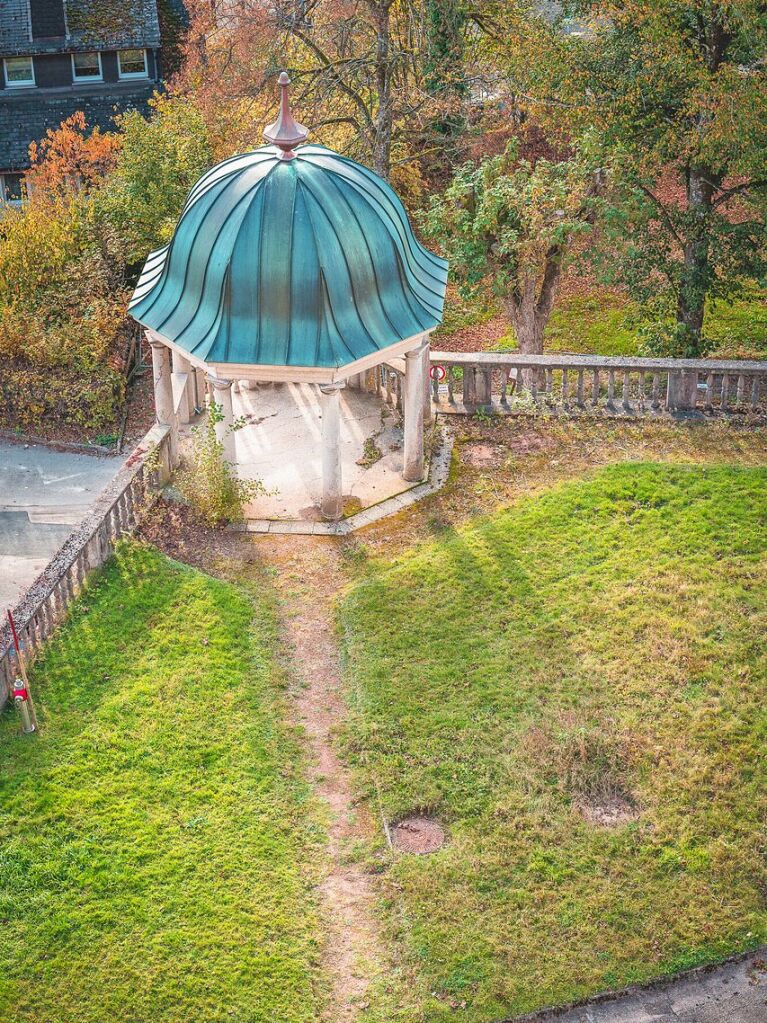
117 512
508 382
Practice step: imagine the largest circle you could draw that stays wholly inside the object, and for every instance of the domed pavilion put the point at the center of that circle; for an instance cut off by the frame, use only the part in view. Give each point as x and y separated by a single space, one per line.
293 264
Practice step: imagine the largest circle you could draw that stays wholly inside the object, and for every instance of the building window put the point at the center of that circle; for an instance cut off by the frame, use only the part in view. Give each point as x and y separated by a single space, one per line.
19 72
86 67
11 188
132 64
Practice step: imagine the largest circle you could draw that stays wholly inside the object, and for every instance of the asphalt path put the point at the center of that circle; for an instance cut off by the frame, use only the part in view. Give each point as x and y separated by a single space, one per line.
43 494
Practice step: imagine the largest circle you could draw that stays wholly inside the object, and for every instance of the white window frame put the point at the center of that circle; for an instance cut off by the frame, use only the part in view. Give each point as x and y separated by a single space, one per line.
133 74
28 83
87 78
4 200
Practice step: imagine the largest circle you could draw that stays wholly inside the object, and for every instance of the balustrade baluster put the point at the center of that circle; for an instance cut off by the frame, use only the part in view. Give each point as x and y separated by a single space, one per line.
450 384
741 389
595 387
565 386
579 390
655 393
626 390
709 392
79 571
505 371
534 383
755 390
130 507
610 387
549 382
724 395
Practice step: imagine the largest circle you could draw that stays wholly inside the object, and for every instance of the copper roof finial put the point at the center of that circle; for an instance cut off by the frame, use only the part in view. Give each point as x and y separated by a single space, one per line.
285 132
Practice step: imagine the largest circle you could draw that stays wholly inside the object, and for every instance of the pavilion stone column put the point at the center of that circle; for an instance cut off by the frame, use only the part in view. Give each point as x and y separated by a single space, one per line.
332 486
416 378
200 387
222 395
163 394
184 383
427 410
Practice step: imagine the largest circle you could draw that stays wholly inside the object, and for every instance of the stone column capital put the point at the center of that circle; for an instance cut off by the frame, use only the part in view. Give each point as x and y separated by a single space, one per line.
418 349
156 342
333 387
220 383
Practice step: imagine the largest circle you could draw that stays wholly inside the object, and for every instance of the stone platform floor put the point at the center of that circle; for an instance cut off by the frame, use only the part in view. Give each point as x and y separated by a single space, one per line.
281 446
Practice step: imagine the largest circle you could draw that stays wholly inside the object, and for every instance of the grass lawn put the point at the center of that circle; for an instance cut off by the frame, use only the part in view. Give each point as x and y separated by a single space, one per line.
598 644
604 323
155 836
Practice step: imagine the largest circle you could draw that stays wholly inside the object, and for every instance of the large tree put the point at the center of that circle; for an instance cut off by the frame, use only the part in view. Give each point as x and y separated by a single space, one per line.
678 91
507 226
356 63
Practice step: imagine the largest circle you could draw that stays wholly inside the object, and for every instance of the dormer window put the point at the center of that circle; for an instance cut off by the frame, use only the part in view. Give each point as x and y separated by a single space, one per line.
86 67
132 64
11 189
19 72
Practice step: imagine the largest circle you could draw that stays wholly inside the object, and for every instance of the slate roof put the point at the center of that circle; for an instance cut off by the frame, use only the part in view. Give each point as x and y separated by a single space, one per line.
308 262
104 24
27 117
14 24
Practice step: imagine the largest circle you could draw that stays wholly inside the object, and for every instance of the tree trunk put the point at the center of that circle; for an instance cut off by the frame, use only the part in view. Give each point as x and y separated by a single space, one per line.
529 308
701 184
529 305
529 327
443 66
384 115
695 283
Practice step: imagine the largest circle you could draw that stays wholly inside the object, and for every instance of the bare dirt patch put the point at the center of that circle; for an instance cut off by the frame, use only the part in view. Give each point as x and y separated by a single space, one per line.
481 454
418 835
608 811
308 574
526 442
176 531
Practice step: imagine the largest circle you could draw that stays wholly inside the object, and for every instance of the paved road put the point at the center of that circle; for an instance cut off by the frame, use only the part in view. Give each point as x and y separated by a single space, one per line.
43 494
733 993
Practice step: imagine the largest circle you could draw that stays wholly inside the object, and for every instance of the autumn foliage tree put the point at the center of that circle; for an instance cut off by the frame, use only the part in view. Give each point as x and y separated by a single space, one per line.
507 226
372 77
677 93
71 158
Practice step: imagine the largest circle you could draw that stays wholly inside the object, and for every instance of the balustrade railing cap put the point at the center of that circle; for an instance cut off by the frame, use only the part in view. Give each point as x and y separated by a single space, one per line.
566 361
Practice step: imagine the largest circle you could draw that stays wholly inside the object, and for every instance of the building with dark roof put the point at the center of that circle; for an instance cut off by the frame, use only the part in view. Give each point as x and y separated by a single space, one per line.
60 56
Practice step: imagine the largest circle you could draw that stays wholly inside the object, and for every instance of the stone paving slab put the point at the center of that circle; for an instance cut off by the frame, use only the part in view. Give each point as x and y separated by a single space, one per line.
439 468
735 992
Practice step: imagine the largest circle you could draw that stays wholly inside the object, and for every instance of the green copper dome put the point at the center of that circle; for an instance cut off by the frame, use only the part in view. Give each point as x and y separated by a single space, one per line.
302 258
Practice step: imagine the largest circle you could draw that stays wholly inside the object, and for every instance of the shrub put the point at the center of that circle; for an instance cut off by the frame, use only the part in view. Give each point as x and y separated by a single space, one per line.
209 482
30 396
161 158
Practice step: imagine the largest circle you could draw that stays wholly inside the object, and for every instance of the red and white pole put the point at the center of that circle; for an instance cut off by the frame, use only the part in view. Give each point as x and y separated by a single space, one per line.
21 695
